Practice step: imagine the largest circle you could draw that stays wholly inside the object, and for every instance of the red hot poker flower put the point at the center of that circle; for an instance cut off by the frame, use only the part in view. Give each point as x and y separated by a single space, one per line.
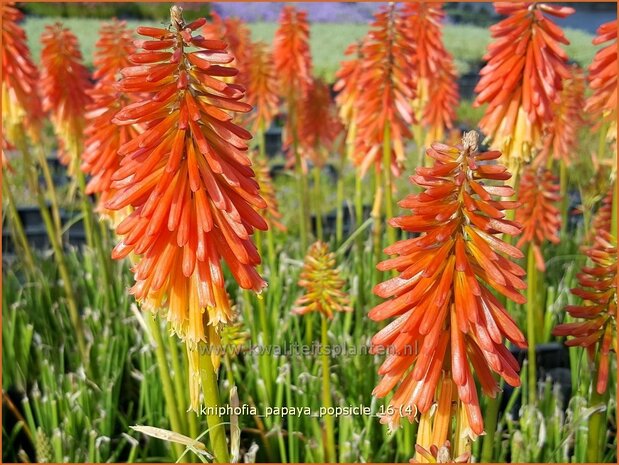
65 83
447 317
602 104
347 84
100 158
189 181
21 106
523 77
262 92
437 88
271 213
323 284
598 290
538 214
291 53
386 84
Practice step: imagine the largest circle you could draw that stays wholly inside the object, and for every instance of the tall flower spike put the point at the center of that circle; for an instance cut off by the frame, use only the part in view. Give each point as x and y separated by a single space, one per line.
65 83
598 290
100 158
447 316
437 88
319 125
386 83
347 84
562 138
189 181
291 54
322 282
21 107
262 92
538 214
271 214
602 104
523 77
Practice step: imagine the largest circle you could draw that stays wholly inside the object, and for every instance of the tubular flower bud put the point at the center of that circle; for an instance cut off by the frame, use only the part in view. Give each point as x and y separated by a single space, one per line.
602 104
446 315
598 290
347 84
322 282
65 83
104 138
262 92
522 80
437 88
387 87
21 106
189 181
539 193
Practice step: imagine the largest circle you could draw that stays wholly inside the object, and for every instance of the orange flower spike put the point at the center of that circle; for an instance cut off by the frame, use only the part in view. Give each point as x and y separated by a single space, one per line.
21 106
539 193
562 138
386 82
271 214
188 179
262 92
291 54
347 84
598 290
522 79
437 88
446 315
100 158
319 125
65 83
602 104
322 283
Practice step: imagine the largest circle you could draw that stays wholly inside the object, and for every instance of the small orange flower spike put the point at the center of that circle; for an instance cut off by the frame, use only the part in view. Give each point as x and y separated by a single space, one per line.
437 88
319 124
347 84
291 54
262 92
538 214
602 104
447 316
562 137
322 282
21 106
65 83
100 158
598 290
387 88
189 181
522 79
603 217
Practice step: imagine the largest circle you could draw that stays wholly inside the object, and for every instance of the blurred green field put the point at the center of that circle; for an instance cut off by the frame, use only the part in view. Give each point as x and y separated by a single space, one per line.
466 43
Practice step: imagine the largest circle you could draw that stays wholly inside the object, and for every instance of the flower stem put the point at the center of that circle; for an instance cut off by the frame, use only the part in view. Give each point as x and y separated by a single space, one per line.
217 432
530 309
317 203
59 257
387 181
326 392
564 199
339 218
166 381
51 188
491 415
597 422
302 179
18 227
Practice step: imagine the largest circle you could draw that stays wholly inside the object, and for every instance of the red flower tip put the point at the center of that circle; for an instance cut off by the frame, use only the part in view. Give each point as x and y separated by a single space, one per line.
65 83
446 316
20 79
538 214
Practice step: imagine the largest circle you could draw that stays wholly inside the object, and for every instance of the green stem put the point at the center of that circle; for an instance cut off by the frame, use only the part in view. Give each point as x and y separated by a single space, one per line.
59 257
387 187
18 227
491 416
317 202
597 422
530 309
51 188
217 432
564 200
166 381
302 180
179 384
339 218
326 391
